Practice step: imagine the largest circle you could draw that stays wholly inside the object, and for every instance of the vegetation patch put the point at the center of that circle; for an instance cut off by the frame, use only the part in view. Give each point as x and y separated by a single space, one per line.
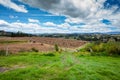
2 52
64 66
49 54
56 47
34 50
103 49
11 42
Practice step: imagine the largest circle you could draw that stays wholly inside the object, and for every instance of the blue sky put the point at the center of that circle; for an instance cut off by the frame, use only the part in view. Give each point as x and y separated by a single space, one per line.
60 16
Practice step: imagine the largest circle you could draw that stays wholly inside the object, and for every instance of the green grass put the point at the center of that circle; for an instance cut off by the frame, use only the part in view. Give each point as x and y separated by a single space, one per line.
64 66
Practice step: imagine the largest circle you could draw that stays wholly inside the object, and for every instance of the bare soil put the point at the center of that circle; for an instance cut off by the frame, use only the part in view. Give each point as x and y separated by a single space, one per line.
3 69
39 43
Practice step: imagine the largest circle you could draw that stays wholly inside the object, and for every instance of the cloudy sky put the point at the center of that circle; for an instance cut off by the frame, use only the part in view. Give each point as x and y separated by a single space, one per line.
60 16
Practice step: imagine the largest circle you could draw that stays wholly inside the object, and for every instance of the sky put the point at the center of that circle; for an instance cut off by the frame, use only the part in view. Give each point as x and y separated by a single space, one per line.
60 16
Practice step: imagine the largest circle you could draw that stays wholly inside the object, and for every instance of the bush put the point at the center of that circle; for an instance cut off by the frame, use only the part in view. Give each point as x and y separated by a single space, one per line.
98 47
88 48
113 48
2 52
110 48
34 50
56 47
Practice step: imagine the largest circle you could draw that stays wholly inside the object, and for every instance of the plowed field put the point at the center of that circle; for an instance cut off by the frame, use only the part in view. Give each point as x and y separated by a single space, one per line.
16 44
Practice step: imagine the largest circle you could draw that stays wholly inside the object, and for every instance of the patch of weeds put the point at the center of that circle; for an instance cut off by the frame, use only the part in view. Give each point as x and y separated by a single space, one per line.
49 54
35 50
103 49
56 47
81 54
11 42
3 53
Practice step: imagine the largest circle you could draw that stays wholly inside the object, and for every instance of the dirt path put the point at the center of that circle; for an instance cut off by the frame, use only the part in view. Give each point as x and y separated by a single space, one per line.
2 69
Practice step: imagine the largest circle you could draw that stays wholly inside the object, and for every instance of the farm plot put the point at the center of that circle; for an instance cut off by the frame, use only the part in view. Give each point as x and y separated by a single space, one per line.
16 44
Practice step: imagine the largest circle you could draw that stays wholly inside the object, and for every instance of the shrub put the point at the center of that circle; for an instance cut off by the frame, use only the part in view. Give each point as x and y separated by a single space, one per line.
88 47
98 47
56 47
2 52
34 50
110 48
113 48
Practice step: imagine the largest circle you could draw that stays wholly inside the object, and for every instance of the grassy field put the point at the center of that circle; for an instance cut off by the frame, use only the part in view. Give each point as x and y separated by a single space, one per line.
55 66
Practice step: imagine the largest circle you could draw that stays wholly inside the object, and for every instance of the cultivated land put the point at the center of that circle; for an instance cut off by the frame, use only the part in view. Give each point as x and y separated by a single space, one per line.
16 44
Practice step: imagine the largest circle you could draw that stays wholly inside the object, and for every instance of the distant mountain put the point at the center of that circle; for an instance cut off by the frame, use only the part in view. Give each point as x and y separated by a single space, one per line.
113 32
2 32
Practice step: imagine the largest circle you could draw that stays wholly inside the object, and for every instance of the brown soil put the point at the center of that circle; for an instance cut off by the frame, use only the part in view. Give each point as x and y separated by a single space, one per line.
39 43
21 47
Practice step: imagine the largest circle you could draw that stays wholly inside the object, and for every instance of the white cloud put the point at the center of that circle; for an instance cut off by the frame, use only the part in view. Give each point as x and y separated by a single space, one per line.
70 8
33 20
3 22
49 24
29 27
12 5
64 26
73 20
60 28
90 12
13 17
